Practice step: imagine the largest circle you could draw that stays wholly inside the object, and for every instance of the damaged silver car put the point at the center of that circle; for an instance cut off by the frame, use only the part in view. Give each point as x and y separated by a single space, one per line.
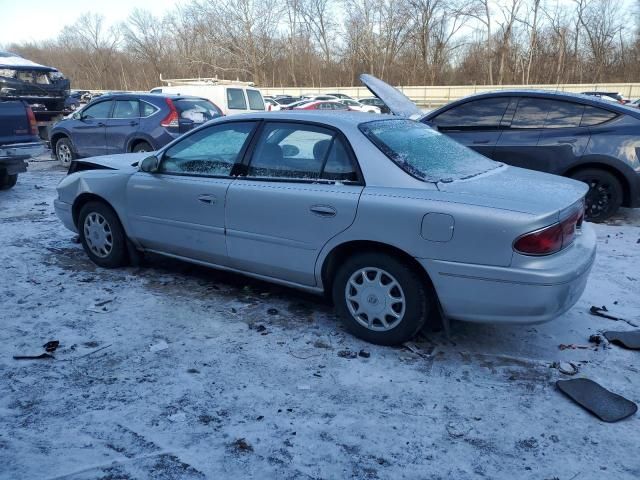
396 222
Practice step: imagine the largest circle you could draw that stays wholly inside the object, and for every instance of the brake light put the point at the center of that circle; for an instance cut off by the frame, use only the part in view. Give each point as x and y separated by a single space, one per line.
550 239
171 120
32 121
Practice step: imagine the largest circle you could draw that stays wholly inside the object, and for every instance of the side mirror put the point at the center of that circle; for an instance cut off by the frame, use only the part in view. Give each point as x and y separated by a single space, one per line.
76 115
149 164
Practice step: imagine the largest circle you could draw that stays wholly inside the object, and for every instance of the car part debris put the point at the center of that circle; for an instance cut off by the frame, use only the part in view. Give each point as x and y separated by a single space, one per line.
42 356
630 339
364 354
162 345
573 346
604 313
595 338
606 405
51 346
568 368
347 354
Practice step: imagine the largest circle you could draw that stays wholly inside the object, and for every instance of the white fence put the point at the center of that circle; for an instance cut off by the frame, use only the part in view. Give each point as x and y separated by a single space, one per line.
436 96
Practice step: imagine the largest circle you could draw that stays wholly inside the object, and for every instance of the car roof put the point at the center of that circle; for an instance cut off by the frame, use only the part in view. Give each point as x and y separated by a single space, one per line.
147 96
547 94
346 119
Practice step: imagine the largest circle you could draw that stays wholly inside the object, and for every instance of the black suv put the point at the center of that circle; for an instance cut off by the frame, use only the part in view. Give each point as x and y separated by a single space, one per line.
44 88
577 136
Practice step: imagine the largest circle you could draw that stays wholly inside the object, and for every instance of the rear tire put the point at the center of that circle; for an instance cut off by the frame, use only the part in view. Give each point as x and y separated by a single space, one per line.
604 196
8 181
389 306
142 147
64 152
102 235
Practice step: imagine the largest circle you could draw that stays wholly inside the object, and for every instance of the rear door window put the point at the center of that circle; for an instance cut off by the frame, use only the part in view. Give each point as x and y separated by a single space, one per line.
301 152
477 114
531 113
236 100
595 116
126 109
563 114
255 100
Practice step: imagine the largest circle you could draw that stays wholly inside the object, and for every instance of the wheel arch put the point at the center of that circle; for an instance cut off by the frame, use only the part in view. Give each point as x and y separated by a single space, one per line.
56 137
595 164
86 197
133 142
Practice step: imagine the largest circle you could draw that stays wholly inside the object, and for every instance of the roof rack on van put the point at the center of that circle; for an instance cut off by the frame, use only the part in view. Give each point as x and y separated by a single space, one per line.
203 81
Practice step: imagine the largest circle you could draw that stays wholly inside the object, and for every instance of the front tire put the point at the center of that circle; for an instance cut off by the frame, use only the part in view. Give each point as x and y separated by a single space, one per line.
142 147
381 299
64 152
604 196
102 235
8 181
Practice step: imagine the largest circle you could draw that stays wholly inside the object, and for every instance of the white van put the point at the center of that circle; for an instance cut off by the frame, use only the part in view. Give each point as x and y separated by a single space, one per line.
230 97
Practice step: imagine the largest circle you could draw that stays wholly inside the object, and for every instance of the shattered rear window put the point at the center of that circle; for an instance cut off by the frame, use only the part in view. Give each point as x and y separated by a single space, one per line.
424 153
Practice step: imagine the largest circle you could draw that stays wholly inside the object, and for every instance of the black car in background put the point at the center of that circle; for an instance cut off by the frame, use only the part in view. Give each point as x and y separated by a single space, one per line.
42 87
128 122
577 136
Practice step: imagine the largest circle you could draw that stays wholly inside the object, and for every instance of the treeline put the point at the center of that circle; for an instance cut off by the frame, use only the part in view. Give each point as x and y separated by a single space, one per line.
330 42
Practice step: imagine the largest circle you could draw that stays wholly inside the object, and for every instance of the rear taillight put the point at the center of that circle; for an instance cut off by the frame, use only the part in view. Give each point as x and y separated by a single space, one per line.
550 239
32 121
171 120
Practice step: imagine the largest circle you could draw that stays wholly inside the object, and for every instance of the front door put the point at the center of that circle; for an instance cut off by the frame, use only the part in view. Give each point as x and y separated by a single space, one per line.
124 122
301 189
180 209
88 133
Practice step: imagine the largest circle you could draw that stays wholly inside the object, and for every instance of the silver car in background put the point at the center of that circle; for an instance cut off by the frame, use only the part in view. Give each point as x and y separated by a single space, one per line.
396 222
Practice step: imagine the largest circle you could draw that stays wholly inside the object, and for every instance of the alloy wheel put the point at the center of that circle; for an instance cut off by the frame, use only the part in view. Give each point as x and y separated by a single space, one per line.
64 153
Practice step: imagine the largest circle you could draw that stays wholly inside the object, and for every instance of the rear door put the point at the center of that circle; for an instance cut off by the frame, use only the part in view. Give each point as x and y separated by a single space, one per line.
124 122
88 134
476 123
301 189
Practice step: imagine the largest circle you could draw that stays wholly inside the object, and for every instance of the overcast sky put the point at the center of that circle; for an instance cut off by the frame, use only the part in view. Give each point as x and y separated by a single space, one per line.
26 20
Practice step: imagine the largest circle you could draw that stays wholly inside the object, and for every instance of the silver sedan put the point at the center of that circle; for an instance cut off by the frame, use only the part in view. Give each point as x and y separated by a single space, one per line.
397 223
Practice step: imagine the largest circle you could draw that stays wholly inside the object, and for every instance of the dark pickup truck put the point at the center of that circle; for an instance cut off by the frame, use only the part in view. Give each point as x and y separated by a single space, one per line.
19 140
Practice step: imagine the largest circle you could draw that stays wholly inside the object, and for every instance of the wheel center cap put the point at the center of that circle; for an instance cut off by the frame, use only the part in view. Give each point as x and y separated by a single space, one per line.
372 299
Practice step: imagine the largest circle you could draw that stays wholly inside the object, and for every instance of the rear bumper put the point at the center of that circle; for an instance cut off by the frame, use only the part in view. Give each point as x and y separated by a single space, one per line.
12 157
64 213
538 290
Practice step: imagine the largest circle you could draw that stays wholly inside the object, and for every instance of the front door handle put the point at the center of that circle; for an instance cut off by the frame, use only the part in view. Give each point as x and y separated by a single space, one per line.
100 124
323 210
133 123
205 198
568 140
480 142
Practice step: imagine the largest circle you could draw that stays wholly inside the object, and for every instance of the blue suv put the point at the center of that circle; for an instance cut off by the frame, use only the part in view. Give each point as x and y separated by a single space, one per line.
128 122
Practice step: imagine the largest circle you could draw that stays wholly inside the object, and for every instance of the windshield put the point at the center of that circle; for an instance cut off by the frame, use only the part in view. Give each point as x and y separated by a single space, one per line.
424 153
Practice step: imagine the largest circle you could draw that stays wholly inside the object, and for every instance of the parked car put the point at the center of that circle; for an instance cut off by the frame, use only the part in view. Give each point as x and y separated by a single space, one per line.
341 96
32 82
614 96
286 100
230 97
19 140
323 105
634 103
71 104
295 104
359 107
577 136
128 122
391 218
375 102
271 104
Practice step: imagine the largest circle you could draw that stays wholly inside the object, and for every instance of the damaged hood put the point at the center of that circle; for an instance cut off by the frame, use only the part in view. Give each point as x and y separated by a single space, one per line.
122 161
398 102
11 60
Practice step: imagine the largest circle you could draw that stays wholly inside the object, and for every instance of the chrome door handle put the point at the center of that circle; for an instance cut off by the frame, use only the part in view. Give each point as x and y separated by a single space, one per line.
323 210
210 199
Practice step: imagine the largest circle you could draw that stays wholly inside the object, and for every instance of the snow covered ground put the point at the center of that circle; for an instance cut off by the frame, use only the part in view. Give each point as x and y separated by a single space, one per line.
171 371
